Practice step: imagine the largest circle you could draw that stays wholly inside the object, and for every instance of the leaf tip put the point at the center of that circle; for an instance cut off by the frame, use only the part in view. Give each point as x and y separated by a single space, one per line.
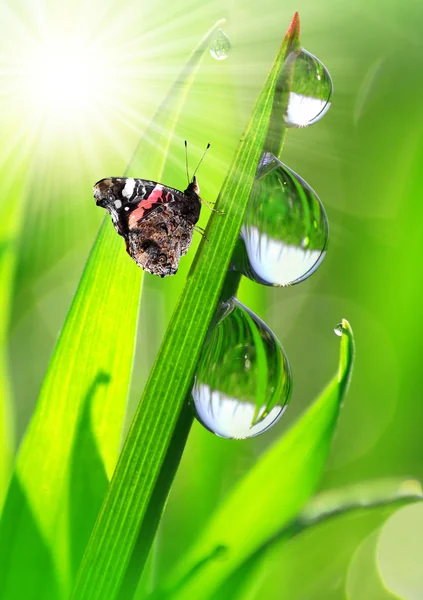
347 353
294 29
345 329
345 324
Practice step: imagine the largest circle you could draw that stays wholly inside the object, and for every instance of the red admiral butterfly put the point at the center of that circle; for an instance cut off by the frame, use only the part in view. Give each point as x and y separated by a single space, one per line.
156 221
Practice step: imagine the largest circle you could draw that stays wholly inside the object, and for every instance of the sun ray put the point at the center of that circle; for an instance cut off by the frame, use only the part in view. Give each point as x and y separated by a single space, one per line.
87 76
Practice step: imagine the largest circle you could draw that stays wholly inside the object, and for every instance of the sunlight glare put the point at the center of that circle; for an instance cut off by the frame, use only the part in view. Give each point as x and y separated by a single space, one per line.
66 77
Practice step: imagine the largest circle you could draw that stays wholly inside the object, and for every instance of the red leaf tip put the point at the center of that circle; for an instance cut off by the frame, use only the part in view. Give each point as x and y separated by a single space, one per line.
294 28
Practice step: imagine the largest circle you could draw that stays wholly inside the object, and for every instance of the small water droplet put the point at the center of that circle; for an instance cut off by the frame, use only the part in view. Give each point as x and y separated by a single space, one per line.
220 46
285 228
310 89
243 379
338 329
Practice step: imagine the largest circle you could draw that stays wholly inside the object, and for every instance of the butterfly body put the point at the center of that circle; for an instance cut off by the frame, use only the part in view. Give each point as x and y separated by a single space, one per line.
156 221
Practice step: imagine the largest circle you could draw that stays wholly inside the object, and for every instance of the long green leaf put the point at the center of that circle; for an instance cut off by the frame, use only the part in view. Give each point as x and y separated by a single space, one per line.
86 384
272 493
354 498
111 546
71 447
10 192
6 427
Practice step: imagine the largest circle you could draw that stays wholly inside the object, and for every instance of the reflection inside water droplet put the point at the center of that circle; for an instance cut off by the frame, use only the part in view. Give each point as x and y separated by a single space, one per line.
338 329
285 230
220 46
243 379
310 89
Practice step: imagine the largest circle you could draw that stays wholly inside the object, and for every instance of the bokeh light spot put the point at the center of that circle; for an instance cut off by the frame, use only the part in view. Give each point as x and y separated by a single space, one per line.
400 552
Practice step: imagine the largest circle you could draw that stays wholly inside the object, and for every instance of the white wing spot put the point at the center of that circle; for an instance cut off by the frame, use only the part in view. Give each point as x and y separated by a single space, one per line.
126 207
118 204
129 187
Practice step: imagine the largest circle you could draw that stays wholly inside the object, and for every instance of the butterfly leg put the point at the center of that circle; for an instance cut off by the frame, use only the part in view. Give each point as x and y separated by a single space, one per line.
200 230
209 205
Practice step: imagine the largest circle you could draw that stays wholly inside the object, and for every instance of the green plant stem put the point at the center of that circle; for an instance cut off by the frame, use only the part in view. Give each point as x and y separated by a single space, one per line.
170 465
157 502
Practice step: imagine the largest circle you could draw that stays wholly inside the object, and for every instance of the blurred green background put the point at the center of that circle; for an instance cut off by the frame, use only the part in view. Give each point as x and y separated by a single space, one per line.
364 159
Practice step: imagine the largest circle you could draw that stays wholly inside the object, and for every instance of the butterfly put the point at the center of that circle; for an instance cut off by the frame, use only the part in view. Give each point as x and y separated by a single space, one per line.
157 222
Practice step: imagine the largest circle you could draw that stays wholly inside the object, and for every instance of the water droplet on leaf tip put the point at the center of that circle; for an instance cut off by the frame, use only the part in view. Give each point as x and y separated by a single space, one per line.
338 329
220 46
310 89
243 379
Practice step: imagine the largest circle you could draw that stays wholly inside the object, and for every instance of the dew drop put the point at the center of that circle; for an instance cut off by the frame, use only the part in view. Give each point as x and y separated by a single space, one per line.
285 230
311 89
338 329
243 379
220 46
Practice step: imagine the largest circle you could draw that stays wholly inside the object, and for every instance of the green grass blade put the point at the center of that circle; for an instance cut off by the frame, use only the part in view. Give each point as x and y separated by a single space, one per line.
156 506
6 426
354 498
71 447
10 192
85 386
273 492
111 546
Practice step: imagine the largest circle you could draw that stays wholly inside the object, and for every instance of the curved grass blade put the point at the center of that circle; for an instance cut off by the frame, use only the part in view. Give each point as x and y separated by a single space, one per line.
6 421
11 189
6 424
365 494
354 498
111 546
88 374
71 447
273 492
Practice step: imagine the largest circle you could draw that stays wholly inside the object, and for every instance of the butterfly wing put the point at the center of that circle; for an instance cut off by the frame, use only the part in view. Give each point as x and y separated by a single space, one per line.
129 200
156 221
158 240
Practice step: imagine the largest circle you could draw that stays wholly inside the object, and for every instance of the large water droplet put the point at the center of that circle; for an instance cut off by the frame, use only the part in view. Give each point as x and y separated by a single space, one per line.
310 89
285 228
220 46
243 379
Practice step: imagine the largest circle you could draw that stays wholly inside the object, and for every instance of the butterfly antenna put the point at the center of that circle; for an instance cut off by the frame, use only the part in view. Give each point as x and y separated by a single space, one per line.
186 160
201 160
